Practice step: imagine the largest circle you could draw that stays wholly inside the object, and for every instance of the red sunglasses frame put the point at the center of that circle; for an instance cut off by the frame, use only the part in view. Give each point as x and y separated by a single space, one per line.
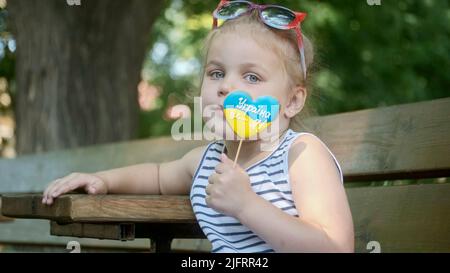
295 24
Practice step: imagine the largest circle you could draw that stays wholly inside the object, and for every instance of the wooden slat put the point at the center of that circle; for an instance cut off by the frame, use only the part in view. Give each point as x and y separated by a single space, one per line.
156 232
112 231
3 218
113 208
127 231
37 232
30 207
400 218
402 141
411 218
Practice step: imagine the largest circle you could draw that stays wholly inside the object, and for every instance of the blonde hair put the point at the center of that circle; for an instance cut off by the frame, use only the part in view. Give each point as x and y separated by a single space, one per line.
282 42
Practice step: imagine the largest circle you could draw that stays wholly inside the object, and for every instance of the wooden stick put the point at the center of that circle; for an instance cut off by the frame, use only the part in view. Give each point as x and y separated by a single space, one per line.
237 154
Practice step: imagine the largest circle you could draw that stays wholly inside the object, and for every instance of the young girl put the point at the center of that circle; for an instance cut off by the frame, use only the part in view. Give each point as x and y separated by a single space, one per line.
289 198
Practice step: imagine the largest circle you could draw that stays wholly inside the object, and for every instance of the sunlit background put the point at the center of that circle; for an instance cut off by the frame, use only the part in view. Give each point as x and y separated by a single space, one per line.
367 56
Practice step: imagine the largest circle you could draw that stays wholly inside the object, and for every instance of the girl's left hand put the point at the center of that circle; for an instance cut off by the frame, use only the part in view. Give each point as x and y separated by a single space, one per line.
229 189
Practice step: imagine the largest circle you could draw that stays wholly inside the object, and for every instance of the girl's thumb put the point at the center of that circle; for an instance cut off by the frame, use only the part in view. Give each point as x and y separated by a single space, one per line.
225 158
92 190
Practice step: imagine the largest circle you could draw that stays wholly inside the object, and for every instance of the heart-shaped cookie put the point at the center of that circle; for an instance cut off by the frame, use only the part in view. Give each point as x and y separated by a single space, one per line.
248 117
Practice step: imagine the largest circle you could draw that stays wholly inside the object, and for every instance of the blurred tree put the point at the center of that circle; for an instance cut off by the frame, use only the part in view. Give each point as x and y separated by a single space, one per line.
77 70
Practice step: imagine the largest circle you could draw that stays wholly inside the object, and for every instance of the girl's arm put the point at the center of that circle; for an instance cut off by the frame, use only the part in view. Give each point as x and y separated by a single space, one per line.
150 178
325 222
173 177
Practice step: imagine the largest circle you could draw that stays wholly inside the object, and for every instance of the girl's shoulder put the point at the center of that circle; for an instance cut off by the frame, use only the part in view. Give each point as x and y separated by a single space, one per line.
309 149
192 158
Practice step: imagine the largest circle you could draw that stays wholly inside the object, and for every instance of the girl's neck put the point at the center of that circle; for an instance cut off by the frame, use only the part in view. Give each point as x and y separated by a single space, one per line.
252 151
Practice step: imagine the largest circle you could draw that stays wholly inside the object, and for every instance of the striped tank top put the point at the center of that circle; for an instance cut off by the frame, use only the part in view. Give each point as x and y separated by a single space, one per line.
269 179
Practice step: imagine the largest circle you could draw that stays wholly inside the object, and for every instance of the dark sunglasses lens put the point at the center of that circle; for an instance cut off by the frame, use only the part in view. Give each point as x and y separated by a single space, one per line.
277 17
233 10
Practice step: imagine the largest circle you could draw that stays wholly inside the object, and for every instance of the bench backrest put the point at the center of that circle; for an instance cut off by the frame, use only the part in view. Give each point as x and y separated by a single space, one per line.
409 141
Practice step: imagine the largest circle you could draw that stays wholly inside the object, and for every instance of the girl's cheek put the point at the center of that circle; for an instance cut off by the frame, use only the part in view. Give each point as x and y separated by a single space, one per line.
207 101
206 88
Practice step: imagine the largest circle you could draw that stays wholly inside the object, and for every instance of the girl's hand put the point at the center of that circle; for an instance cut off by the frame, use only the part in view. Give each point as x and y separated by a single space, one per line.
91 183
229 189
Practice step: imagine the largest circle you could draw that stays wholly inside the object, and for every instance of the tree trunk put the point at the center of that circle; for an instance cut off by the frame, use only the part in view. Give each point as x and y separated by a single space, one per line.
77 70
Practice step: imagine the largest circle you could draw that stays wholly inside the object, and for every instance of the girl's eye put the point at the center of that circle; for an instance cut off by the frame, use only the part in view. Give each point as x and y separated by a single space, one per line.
216 75
252 78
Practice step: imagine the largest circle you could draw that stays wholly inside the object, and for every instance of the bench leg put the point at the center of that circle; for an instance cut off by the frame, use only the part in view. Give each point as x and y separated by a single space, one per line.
160 245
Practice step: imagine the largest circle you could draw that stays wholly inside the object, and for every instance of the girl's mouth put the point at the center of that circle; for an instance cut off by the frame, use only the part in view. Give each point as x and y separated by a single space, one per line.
215 107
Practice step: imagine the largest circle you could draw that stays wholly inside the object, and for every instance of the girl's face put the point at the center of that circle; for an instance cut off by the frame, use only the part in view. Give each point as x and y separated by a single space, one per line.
236 62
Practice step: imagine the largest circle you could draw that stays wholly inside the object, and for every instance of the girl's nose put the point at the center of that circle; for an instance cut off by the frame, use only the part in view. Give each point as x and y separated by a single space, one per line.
225 88
223 92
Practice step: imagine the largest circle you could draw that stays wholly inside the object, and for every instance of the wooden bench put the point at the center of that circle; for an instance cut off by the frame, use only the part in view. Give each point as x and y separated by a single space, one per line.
409 141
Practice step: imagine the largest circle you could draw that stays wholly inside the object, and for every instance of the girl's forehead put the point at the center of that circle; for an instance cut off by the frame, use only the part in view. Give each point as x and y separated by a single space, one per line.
235 41
243 48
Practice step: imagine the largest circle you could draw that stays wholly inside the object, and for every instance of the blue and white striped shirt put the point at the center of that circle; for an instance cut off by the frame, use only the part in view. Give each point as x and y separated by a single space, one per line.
269 178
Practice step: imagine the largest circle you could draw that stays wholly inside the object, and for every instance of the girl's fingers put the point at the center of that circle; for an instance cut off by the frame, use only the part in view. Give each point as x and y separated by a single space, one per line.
212 178
224 158
46 191
208 200
53 187
219 168
57 186
208 189
70 185
48 195
94 186
90 183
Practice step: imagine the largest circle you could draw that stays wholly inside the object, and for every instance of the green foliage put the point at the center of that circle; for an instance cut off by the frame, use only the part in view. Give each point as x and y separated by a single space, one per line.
367 56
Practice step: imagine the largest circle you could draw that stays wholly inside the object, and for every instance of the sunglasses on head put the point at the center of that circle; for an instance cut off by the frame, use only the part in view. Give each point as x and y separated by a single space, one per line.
272 15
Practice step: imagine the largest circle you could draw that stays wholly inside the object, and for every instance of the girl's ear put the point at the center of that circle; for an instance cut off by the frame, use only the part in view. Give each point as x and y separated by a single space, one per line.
296 101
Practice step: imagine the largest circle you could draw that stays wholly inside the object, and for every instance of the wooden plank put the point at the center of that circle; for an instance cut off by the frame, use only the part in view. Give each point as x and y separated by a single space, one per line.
402 141
191 245
36 232
127 231
2 217
34 235
104 208
32 248
412 218
156 232
30 207
400 218
112 231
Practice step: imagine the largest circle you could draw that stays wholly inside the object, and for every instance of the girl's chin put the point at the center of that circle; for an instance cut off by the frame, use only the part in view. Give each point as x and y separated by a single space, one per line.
222 134
229 135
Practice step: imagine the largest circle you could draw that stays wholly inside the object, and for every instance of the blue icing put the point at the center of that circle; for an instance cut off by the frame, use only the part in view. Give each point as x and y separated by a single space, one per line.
263 109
